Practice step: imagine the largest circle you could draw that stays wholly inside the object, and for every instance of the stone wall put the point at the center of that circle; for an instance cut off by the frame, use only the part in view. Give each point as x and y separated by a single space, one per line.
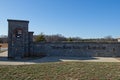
79 49
20 44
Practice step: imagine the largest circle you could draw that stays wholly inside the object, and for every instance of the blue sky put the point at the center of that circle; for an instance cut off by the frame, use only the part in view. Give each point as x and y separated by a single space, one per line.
71 18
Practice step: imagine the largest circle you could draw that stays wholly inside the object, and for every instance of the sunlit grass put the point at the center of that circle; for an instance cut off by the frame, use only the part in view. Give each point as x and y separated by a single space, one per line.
62 71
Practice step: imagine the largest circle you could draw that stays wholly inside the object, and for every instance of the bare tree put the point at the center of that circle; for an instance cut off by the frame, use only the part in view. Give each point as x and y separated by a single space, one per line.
108 37
3 38
52 38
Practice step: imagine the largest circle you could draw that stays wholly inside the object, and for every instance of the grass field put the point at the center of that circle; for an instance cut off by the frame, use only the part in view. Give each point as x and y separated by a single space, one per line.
4 45
62 71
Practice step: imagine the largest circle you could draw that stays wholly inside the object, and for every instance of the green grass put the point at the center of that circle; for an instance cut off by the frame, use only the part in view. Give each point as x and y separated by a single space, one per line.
62 71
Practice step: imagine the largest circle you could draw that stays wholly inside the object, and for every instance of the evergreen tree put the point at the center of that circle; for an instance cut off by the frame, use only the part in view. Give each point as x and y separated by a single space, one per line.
69 39
40 38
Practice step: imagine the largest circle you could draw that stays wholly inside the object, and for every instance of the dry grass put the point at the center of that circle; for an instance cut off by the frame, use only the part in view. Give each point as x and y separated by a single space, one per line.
62 71
4 45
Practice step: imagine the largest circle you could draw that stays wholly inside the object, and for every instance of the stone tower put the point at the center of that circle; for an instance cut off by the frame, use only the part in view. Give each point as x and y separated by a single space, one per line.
18 38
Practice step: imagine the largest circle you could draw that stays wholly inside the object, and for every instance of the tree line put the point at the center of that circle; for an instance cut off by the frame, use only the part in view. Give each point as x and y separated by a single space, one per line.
58 38
3 39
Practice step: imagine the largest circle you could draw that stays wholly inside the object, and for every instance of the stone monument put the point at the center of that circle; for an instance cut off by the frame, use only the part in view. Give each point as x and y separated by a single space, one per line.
18 38
20 45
